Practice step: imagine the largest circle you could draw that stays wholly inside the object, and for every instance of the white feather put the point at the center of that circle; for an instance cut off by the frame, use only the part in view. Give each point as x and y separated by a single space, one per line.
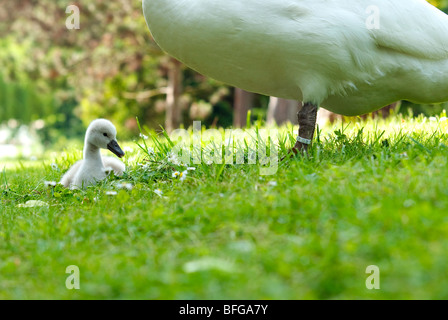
318 51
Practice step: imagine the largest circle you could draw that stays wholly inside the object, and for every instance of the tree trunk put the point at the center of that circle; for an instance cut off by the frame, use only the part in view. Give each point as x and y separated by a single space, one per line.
281 111
173 116
243 102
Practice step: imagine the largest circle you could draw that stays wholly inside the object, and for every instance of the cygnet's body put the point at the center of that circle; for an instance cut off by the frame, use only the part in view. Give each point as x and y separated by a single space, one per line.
101 134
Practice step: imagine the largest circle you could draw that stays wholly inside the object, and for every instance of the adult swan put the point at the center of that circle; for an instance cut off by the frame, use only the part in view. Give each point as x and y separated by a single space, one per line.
349 56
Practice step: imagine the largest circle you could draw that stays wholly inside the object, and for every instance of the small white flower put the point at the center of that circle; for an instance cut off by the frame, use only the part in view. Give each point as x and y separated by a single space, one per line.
50 183
173 159
432 119
272 183
143 166
180 175
443 119
158 192
33 203
125 185
54 166
129 186
111 193
191 169
143 136
128 149
151 151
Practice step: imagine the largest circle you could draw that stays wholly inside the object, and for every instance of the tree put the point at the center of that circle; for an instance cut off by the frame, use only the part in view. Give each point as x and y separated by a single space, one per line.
173 117
243 102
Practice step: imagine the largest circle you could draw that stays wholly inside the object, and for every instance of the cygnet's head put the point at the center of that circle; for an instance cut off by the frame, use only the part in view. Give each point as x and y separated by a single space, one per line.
102 134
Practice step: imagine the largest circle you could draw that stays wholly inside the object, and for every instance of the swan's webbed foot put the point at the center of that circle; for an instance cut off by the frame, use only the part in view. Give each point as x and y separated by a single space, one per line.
307 116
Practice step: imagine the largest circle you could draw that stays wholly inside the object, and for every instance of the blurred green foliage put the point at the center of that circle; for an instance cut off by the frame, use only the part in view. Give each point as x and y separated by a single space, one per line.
104 69
110 68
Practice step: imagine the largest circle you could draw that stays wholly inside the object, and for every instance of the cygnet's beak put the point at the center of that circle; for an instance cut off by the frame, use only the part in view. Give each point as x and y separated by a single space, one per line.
115 148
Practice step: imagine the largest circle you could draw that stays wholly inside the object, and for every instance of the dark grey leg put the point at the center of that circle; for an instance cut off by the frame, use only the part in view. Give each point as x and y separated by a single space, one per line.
307 116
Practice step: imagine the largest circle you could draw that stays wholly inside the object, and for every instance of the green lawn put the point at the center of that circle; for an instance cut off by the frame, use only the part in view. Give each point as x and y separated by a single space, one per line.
377 196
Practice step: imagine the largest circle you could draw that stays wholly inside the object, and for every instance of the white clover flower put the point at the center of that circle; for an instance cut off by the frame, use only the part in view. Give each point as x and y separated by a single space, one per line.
111 193
158 192
50 183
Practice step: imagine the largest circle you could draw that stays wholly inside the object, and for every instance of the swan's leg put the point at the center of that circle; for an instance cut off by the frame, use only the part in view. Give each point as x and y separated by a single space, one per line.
307 116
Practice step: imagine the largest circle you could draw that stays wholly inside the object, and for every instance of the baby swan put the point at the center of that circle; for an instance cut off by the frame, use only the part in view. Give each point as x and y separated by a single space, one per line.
101 134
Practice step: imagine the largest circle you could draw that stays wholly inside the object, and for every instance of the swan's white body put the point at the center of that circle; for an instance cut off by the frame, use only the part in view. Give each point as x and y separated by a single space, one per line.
319 51
95 167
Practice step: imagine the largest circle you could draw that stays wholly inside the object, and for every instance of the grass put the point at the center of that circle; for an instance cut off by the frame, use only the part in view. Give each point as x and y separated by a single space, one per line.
371 193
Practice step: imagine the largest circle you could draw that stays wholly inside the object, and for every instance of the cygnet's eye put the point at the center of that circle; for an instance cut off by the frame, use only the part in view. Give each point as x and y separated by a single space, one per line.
105 134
